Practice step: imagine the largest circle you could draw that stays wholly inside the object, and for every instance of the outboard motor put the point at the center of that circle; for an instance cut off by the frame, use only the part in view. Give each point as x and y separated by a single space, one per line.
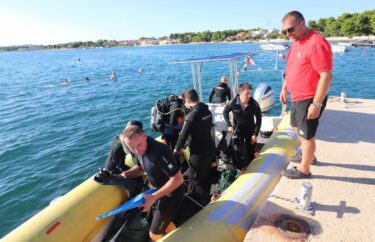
265 97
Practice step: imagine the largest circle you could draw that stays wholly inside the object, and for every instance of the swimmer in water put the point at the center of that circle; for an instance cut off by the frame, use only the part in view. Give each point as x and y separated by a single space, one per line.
113 76
63 83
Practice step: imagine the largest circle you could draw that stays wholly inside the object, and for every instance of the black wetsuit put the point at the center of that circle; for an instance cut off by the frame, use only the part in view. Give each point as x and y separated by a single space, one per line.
244 126
197 126
220 93
159 164
173 129
115 162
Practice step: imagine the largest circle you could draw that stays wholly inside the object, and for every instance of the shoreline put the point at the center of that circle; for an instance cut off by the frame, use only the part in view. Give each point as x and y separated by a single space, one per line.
261 41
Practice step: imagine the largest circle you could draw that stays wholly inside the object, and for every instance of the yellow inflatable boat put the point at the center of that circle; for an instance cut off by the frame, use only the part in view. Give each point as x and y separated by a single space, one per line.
72 216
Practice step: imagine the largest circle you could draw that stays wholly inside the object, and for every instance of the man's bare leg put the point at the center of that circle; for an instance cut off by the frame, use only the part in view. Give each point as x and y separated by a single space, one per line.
308 150
300 139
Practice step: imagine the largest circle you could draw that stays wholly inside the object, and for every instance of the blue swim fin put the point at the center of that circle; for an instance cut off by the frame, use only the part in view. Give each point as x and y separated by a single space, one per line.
132 203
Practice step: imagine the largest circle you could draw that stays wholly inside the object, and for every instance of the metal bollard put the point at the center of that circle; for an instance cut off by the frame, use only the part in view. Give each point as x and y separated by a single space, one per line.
343 97
305 196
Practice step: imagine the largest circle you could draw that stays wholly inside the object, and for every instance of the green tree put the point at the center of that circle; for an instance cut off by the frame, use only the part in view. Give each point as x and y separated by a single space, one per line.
196 39
222 35
321 25
206 36
348 27
312 24
373 23
99 43
363 24
343 19
332 28
216 36
185 38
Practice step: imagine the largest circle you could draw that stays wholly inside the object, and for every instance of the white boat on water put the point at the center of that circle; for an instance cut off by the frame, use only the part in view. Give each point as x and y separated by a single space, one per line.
348 44
270 47
339 48
364 43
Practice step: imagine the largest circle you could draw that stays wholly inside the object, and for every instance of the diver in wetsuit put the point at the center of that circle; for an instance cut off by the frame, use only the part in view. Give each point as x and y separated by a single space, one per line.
244 109
221 92
115 165
176 119
163 172
115 162
197 126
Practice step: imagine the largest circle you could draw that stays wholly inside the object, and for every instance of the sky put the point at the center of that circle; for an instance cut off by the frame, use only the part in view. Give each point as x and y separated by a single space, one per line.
61 21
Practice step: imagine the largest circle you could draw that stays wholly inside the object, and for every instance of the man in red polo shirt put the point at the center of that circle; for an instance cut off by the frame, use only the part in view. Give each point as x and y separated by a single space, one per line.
308 78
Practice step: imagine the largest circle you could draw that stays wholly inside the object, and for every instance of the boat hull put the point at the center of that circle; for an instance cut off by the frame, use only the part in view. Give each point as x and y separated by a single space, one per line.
231 216
72 216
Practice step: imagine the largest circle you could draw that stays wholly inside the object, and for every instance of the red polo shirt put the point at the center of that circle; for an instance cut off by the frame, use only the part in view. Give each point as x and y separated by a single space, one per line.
305 59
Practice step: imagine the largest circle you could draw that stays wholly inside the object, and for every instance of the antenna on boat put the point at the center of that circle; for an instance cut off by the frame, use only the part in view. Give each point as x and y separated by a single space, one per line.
277 60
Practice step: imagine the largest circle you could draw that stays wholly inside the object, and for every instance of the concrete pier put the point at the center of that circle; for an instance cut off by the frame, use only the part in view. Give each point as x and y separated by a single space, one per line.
343 181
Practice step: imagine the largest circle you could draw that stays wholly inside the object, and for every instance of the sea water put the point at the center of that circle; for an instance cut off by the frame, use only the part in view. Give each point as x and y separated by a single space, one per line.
54 136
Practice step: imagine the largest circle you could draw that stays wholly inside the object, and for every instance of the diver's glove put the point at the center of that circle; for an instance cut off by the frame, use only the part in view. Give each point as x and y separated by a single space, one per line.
133 186
106 178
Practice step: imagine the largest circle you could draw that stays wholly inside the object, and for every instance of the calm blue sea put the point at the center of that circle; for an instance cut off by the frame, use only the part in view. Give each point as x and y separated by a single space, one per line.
53 137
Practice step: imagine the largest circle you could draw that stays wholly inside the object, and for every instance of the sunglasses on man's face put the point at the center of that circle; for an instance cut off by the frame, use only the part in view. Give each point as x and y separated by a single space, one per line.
290 30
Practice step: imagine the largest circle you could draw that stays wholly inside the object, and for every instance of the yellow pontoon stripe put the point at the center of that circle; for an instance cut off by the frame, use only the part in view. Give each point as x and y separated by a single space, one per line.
260 186
253 183
250 215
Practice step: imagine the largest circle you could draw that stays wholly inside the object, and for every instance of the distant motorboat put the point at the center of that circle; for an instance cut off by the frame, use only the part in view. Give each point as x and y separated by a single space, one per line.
364 43
339 48
348 44
273 47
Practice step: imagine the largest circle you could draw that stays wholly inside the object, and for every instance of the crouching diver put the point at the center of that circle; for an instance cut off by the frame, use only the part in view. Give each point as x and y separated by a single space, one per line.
156 159
115 162
244 109
221 92
115 165
197 126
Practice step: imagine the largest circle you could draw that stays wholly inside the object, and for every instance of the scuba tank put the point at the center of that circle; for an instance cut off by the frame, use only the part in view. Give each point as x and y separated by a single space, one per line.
157 118
153 116
160 113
